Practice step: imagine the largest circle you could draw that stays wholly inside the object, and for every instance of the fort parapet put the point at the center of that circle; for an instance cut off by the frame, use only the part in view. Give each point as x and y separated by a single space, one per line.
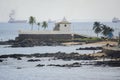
44 35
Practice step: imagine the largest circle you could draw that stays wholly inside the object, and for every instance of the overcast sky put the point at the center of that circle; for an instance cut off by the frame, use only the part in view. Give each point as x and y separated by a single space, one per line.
83 10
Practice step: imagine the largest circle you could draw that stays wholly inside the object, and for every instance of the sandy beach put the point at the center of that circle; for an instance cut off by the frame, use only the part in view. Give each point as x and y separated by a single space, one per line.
91 44
104 43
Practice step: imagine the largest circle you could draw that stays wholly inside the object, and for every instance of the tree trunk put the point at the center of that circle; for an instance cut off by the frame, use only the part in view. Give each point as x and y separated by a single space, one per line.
38 28
32 27
97 35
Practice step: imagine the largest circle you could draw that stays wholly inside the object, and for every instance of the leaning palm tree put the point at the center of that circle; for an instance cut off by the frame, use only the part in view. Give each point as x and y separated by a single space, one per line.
38 25
32 21
97 27
111 30
44 24
106 30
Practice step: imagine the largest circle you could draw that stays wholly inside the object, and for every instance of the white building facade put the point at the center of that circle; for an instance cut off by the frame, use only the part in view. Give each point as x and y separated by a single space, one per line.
63 26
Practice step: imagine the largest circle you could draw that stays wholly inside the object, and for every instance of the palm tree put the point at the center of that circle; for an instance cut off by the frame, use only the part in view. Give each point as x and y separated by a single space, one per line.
97 27
32 21
44 24
38 25
106 30
111 30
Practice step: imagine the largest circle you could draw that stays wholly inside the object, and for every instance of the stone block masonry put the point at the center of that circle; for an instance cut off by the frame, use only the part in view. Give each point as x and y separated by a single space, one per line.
44 37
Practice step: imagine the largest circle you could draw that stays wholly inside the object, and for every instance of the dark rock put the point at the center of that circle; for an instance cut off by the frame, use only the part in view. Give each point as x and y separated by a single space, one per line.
24 43
1 60
54 65
29 56
13 55
108 63
76 64
4 56
40 65
33 60
19 58
90 48
58 55
73 56
19 67
33 42
72 65
16 55
67 65
9 42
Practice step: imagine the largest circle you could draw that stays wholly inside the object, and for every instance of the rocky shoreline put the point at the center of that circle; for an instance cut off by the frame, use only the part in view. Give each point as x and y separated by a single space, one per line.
90 48
58 55
29 43
62 56
36 42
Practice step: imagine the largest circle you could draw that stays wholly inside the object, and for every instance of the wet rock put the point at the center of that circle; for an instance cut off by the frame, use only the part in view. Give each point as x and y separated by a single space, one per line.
75 56
90 48
16 55
76 64
24 43
19 58
13 55
108 63
58 55
33 42
1 60
40 65
4 56
72 65
33 60
19 67
9 42
67 65
54 65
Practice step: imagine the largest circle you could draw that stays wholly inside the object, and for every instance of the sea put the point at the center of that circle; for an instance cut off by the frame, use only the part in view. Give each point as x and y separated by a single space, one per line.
9 68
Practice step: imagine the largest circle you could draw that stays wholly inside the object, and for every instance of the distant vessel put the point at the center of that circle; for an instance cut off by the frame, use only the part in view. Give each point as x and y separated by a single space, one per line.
12 18
115 20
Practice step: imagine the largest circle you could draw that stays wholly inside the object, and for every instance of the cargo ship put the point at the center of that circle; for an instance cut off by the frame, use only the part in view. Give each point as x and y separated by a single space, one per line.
115 20
12 18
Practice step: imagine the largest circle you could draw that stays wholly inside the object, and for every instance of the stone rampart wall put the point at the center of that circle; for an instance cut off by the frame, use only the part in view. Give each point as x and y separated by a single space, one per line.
44 37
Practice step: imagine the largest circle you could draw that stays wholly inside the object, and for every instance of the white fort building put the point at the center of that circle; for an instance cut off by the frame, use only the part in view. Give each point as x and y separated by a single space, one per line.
61 31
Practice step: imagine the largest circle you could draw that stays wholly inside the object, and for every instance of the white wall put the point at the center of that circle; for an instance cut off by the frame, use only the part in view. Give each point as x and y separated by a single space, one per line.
65 28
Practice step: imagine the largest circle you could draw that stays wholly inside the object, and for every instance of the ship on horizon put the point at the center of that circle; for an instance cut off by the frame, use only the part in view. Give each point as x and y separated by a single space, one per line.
12 18
115 20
